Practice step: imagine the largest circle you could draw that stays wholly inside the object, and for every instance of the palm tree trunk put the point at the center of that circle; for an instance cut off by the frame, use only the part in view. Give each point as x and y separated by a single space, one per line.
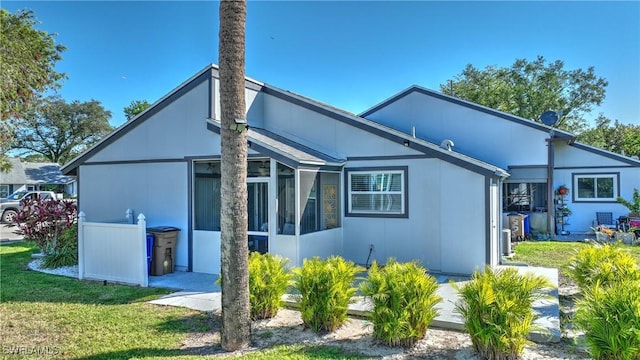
236 323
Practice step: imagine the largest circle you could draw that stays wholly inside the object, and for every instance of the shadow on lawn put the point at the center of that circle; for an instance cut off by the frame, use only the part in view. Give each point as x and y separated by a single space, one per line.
196 322
151 352
21 284
310 352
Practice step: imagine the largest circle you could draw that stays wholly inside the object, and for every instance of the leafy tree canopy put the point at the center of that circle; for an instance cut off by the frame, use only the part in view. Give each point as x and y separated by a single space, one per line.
616 137
59 130
27 69
135 108
529 88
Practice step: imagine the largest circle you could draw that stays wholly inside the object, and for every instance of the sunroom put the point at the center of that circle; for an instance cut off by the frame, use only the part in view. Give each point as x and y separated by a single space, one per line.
293 204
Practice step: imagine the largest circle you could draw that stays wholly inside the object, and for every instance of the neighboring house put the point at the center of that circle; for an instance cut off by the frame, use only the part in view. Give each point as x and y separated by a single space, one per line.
35 176
594 177
321 182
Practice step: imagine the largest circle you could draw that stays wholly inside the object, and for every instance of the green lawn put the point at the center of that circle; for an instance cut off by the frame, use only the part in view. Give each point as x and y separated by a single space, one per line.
555 254
65 318
72 319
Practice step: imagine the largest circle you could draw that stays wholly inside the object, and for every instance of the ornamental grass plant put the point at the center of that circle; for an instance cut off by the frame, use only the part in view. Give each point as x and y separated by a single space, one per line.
404 298
268 282
610 317
64 251
497 307
325 290
603 264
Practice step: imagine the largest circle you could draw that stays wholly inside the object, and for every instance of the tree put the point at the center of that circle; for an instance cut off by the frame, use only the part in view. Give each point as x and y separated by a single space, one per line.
618 138
135 108
236 322
27 69
527 89
59 130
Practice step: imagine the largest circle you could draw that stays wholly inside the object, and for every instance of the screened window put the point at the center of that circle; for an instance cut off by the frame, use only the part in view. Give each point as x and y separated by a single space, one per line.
595 187
206 199
381 192
319 196
286 200
524 197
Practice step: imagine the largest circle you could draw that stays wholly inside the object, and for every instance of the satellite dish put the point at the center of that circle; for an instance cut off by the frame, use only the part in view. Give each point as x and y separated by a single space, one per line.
549 118
446 144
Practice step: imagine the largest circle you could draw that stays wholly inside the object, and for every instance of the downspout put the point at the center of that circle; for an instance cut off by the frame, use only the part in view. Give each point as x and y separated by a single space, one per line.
550 190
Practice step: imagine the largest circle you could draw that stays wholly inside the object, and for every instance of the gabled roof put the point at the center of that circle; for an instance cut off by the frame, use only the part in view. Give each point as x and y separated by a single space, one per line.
271 142
605 153
34 173
557 133
283 149
471 105
45 173
386 132
201 76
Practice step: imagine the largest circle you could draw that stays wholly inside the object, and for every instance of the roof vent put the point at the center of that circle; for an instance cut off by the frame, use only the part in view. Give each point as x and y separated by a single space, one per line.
447 144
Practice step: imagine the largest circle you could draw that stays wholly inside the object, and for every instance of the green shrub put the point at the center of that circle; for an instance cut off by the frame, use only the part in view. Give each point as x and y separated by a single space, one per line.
610 316
63 250
404 298
268 282
326 288
497 310
604 264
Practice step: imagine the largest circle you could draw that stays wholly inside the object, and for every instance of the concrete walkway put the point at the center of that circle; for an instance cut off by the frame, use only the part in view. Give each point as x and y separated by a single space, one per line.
8 235
198 292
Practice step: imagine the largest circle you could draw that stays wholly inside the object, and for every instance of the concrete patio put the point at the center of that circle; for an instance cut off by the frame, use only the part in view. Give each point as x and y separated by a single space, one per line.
199 292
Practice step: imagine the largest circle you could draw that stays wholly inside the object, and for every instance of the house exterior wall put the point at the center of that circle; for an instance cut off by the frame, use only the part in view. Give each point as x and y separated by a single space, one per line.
474 133
151 175
570 161
320 243
178 130
326 134
206 252
439 232
158 190
511 144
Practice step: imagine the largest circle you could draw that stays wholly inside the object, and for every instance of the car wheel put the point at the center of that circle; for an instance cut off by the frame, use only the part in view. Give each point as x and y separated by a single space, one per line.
7 216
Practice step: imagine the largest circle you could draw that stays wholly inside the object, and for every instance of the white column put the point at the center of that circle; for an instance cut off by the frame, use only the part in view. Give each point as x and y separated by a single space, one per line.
81 257
142 228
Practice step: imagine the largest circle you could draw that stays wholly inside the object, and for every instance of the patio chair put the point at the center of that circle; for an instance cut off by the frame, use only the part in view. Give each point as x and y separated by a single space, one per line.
606 219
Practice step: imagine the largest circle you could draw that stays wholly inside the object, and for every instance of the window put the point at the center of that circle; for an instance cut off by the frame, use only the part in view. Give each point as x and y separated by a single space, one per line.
4 191
319 196
377 192
524 197
286 200
595 187
206 197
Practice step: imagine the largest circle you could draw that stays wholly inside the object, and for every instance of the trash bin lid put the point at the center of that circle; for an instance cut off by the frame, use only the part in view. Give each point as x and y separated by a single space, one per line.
160 229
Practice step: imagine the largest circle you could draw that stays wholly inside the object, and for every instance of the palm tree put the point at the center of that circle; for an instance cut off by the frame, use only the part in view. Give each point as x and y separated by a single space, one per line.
236 323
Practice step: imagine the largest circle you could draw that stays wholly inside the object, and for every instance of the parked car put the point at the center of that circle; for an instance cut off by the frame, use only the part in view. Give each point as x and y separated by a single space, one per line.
10 206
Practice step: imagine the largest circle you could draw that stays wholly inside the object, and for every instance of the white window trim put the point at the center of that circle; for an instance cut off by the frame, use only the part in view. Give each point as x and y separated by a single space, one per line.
616 191
378 213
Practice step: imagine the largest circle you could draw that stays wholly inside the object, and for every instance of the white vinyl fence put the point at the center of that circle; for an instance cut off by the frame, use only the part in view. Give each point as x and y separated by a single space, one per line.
113 252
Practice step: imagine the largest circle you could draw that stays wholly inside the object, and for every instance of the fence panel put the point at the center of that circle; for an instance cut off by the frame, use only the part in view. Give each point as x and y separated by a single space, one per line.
112 252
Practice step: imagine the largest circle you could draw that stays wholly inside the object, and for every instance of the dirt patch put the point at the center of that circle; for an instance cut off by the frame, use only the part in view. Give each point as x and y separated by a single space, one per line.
286 328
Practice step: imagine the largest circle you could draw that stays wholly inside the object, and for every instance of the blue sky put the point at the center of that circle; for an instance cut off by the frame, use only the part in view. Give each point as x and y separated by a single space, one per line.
351 55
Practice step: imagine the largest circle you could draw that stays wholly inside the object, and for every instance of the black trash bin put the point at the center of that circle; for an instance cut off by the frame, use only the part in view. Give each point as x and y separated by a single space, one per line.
164 249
